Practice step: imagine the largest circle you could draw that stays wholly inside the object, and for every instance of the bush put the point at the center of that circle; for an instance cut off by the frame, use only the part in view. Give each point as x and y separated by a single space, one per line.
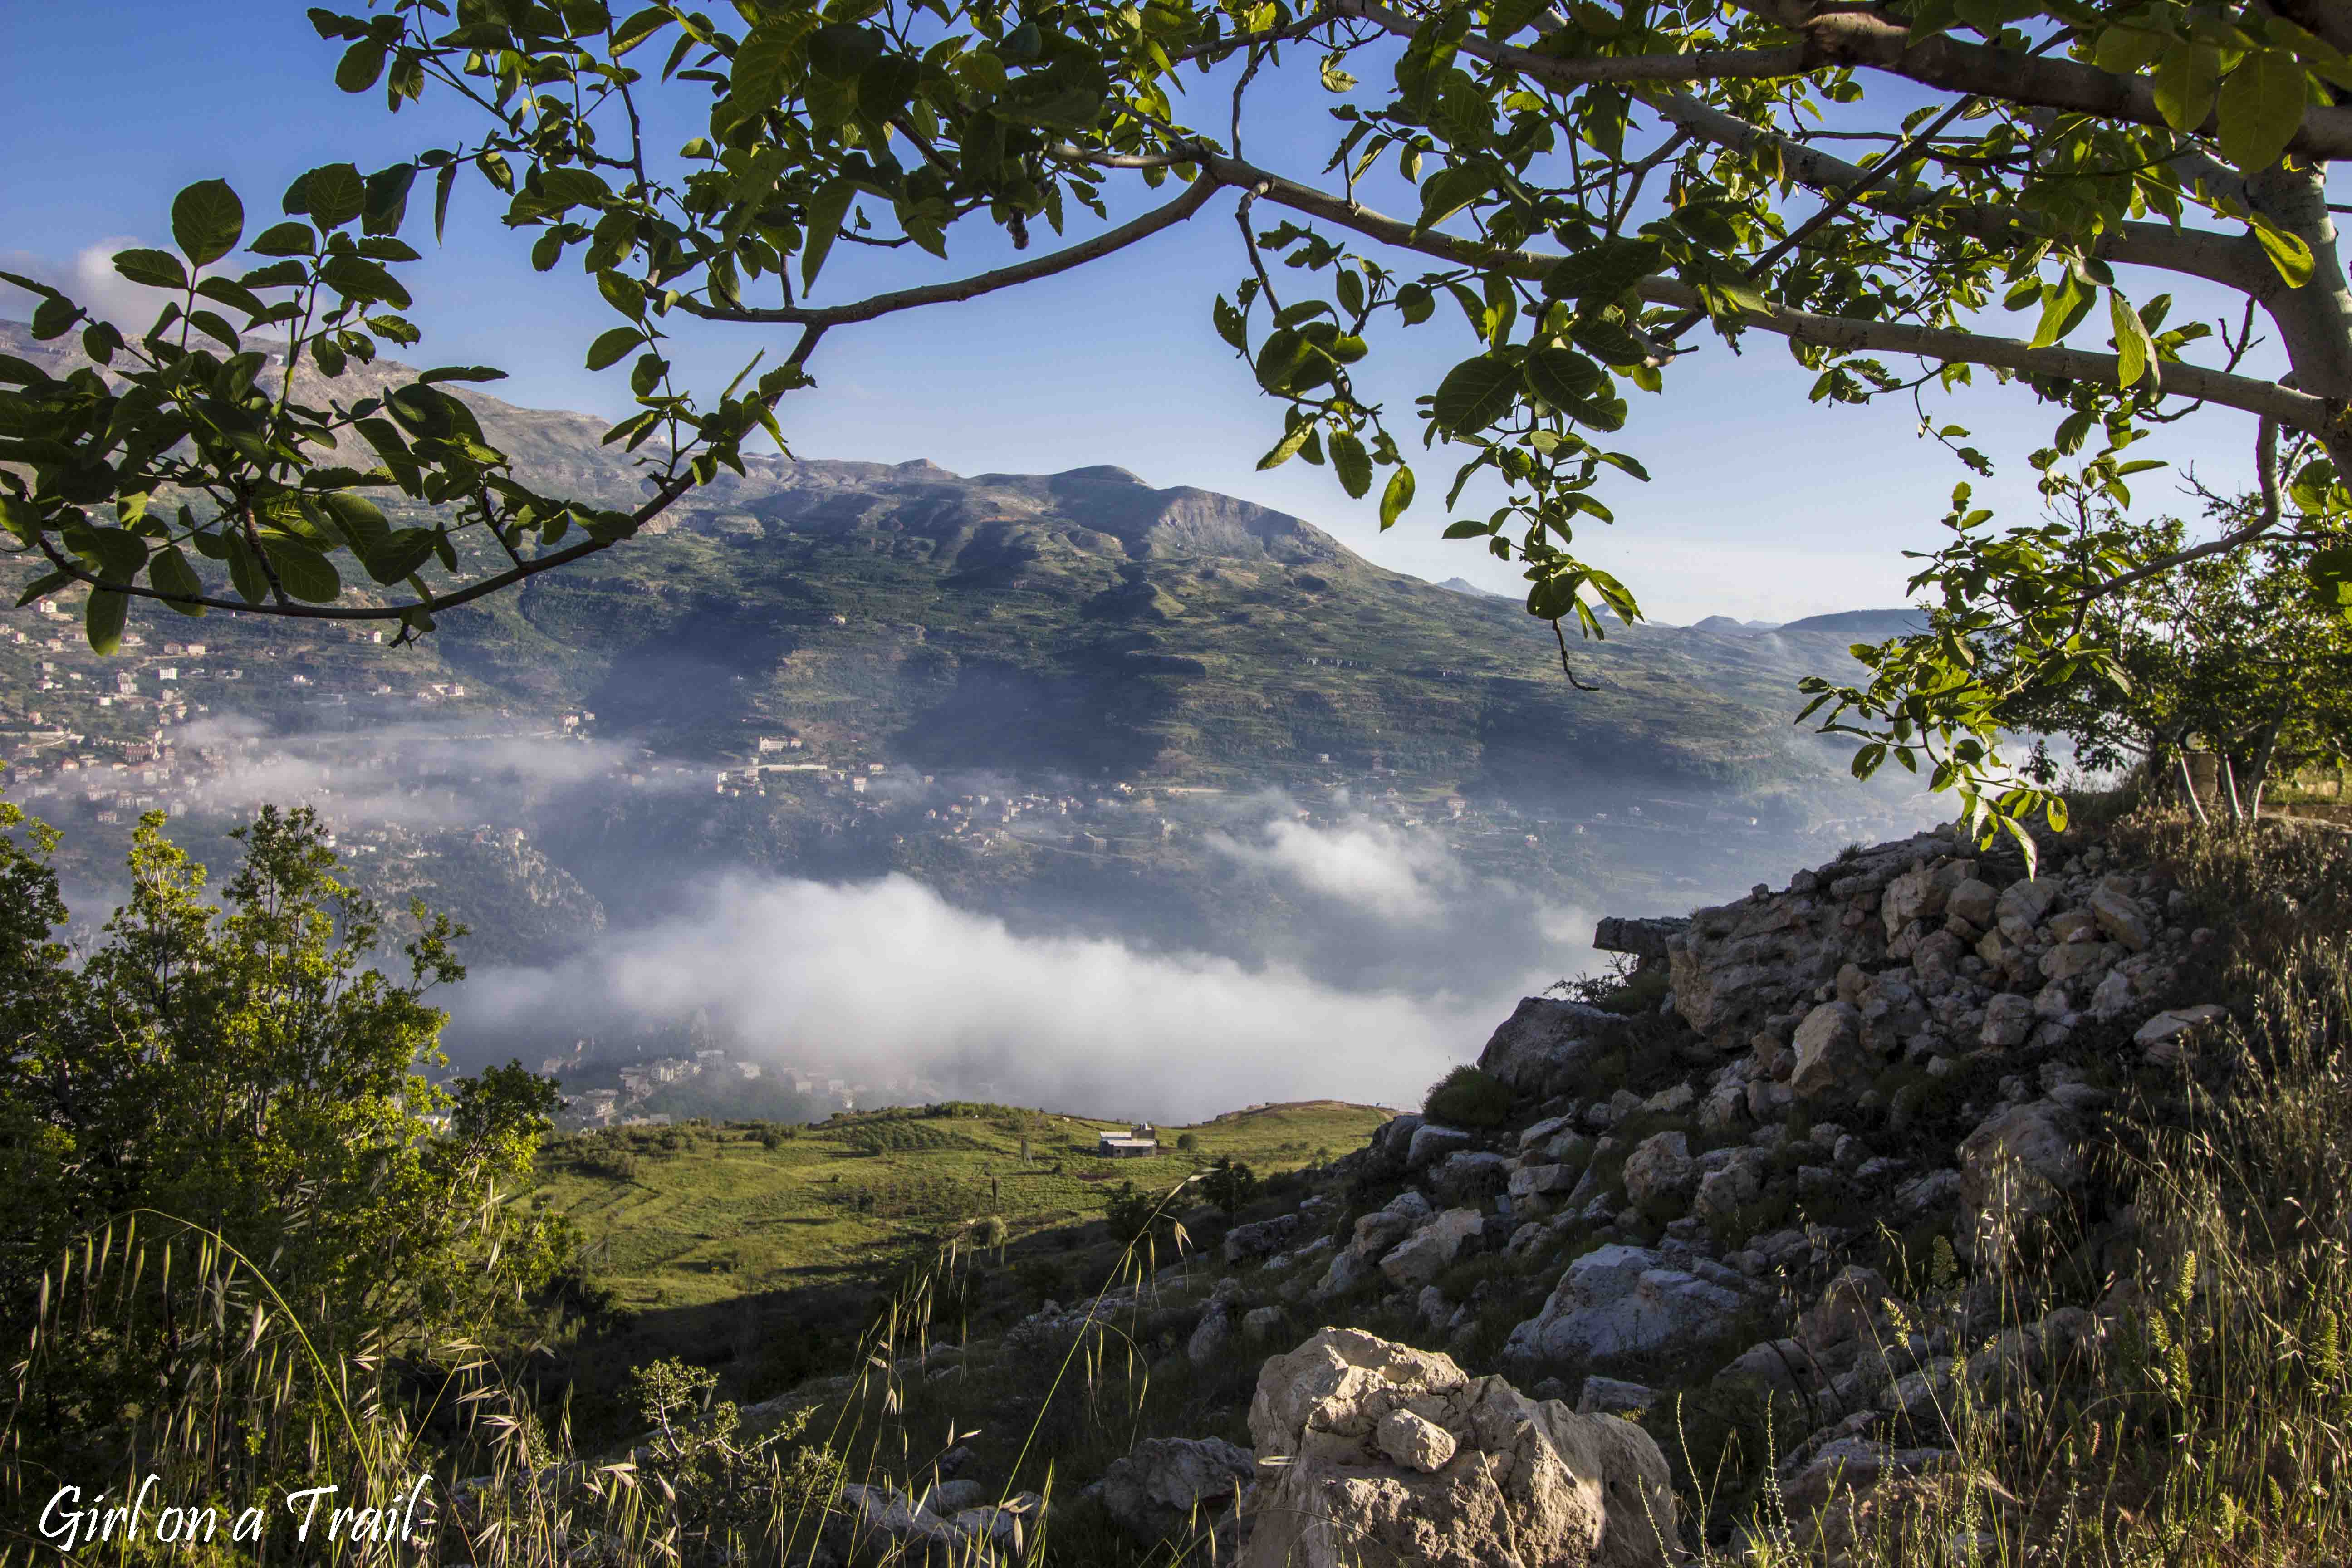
1187 1142
1229 1184
1468 1097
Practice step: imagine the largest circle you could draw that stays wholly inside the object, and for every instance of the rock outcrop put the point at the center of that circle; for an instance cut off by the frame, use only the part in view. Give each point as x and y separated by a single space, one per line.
1395 1457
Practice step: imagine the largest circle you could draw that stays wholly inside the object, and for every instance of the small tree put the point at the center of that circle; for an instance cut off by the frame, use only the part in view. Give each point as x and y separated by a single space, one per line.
1229 1184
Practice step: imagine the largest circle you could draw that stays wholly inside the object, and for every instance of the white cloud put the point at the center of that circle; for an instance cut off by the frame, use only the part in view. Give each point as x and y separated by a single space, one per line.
885 979
1400 874
89 279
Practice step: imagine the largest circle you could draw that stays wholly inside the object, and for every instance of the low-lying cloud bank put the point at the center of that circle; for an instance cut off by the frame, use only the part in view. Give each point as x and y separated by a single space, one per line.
885 979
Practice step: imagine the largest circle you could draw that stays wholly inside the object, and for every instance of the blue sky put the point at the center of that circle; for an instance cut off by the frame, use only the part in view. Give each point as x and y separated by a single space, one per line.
1761 506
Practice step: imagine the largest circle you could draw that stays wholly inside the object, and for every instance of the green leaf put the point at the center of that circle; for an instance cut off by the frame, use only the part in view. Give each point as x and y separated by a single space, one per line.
2135 355
460 373
1351 463
170 572
302 571
1562 377
332 196
402 551
612 345
1603 271
41 587
207 220
360 519
1396 497
360 65
54 317
156 269
639 28
2262 109
2185 80
2064 306
2287 252
1450 190
245 569
2330 571
1475 393
1282 451
103 621
2126 50
826 211
283 239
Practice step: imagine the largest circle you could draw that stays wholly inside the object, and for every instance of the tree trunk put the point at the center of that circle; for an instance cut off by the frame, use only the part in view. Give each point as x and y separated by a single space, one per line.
2188 788
2265 749
2230 788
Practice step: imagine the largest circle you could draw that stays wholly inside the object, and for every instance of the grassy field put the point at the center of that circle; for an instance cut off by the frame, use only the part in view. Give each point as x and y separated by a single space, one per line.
690 1216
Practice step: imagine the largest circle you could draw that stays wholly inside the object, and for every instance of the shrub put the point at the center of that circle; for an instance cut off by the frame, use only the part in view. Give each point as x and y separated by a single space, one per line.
1229 1184
1468 1097
1188 1141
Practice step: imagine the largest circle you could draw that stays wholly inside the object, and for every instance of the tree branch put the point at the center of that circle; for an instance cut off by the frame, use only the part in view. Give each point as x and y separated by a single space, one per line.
2292 409
658 503
1028 271
1850 37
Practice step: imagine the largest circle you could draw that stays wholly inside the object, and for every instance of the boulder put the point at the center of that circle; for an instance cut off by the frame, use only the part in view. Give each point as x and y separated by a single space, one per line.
1542 1048
1613 1396
1469 1178
1621 1306
1433 1142
1973 901
1422 1256
1660 1173
1527 1483
2017 1166
2163 1037
1260 1324
1830 1054
1162 1484
1542 1180
2120 915
1732 1185
1262 1239
2022 907
1891 1012
2007 1020
1415 1441
2073 960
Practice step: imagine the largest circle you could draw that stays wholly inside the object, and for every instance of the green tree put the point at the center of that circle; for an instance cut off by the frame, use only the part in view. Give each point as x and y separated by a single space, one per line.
1229 1184
2229 653
1600 194
238 1086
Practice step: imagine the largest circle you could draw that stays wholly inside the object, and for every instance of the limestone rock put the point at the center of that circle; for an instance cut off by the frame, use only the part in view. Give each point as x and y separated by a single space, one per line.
1415 1441
1973 901
2023 906
2120 915
1543 1048
2007 1020
1618 1305
2163 1036
1660 1173
1260 1324
2016 1166
1469 1178
1262 1239
1830 1054
1529 1483
1731 1187
1613 1396
1422 1256
1433 1142
1155 1487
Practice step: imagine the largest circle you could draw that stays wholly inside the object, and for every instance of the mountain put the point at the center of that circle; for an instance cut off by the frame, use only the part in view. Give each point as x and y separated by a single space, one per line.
1066 632
1464 586
1864 626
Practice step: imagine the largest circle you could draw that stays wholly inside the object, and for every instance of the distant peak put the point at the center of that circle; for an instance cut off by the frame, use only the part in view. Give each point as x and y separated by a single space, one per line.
920 465
1104 473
